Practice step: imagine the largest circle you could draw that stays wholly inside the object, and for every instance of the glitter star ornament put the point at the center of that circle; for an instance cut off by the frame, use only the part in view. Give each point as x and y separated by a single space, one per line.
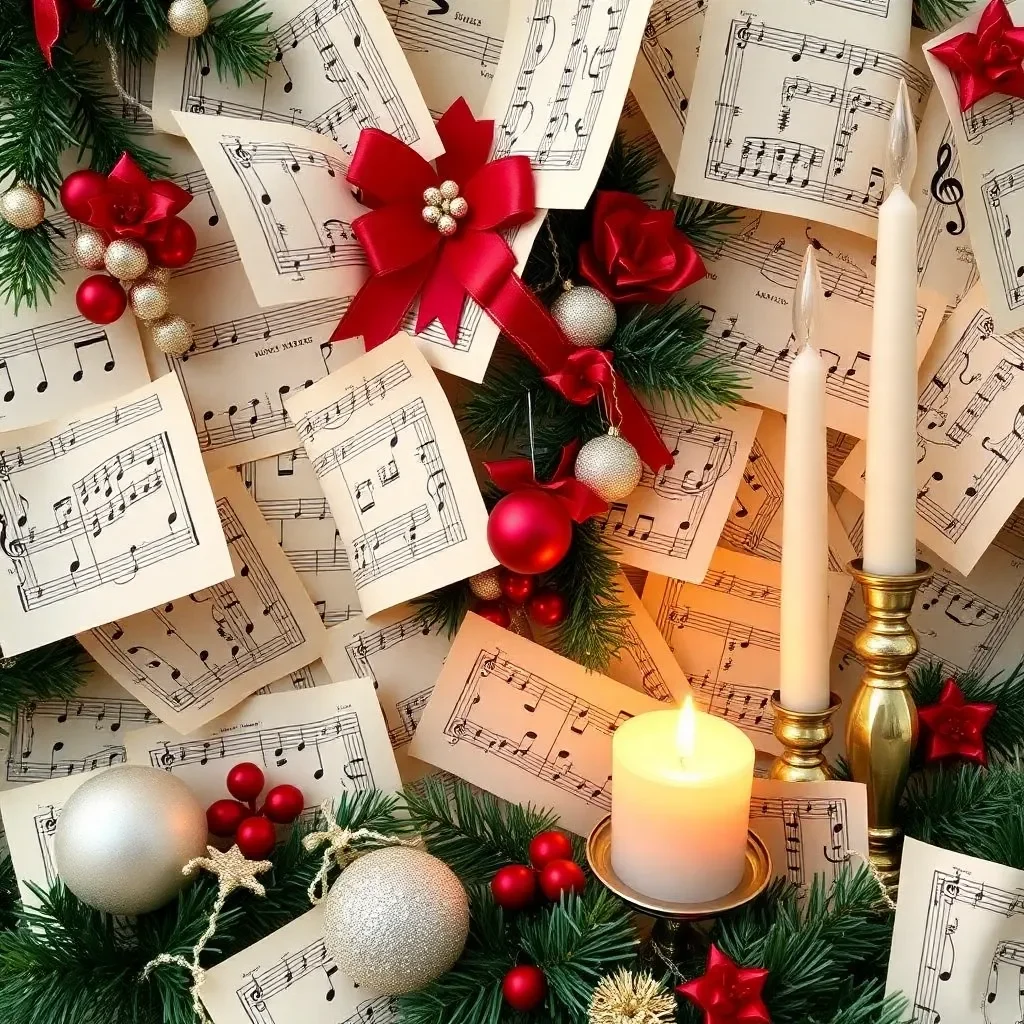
954 728
728 994
628 998
233 870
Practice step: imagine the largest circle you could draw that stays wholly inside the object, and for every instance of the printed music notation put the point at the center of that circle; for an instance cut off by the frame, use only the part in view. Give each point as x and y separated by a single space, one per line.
791 107
194 658
958 941
301 679
498 720
725 635
672 521
324 740
386 450
558 89
93 510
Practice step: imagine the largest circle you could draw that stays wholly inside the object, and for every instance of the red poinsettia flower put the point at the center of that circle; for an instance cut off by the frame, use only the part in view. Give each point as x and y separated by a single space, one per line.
132 206
954 728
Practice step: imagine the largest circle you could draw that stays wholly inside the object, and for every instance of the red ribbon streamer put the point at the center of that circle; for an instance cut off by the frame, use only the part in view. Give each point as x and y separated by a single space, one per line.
409 257
46 14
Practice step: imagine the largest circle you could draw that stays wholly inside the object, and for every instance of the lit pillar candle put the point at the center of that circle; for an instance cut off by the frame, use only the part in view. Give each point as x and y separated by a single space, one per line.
890 481
804 651
681 783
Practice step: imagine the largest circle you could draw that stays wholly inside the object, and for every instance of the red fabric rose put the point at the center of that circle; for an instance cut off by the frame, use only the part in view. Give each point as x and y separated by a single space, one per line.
132 206
636 254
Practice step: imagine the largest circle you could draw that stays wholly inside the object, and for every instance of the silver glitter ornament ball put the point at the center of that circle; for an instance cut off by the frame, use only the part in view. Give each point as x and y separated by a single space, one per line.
486 585
90 248
396 919
586 316
188 18
22 207
172 334
126 259
124 836
609 466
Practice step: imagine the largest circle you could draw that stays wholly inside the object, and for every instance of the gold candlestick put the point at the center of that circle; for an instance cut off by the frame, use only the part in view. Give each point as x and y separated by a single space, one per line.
803 735
881 731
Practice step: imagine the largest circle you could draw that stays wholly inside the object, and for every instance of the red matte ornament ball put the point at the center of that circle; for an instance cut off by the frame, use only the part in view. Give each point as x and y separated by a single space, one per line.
246 781
224 816
494 612
529 531
78 188
514 587
514 887
175 247
546 608
256 837
548 846
101 299
524 987
560 876
283 804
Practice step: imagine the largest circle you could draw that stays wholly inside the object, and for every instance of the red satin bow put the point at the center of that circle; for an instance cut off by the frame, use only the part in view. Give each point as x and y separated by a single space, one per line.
579 500
585 372
46 14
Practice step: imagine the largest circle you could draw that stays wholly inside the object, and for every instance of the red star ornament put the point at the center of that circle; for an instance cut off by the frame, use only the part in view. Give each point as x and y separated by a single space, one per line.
954 728
988 61
728 994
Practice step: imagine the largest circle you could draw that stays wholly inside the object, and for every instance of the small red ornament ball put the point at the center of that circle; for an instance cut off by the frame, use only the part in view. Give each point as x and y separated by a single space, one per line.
524 987
529 531
176 247
514 887
224 816
283 804
101 299
494 612
514 587
256 837
78 188
546 608
548 846
559 876
246 781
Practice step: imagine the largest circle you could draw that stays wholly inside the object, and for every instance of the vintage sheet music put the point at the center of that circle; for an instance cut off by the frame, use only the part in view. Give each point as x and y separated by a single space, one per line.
725 634
192 659
949 902
970 435
326 740
103 515
525 724
558 89
672 521
387 452
314 674
288 976
753 267
791 104
337 69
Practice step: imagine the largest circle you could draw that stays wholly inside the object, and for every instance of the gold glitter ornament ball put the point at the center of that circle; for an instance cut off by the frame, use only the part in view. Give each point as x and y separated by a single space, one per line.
90 248
172 334
22 207
395 920
126 259
158 275
188 18
586 316
609 466
149 299
486 585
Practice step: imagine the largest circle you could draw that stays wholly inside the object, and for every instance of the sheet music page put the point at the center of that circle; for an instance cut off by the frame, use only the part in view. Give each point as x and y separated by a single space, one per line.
949 901
791 103
337 69
811 828
194 658
753 267
725 635
970 435
104 514
988 144
558 89
673 520
526 724
288 976
393 466
324 740
314 674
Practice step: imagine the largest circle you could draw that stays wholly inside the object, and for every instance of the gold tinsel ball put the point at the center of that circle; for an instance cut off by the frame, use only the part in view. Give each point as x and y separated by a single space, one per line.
22 207
486 585
90 248
149 299
157 275
629 998
586 316
188 18
172 334
609 466
126 259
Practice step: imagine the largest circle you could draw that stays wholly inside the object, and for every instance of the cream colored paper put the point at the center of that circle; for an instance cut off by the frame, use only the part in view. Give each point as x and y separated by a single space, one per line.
525 724
790 107
958 938
337 68
301 679
725 635
326 741
193 659
752 272
672 521
387 451
558 89
970 430
287 977
103 515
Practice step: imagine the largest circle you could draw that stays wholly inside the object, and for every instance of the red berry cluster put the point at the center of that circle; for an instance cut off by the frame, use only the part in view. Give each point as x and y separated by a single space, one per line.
546 607
253 830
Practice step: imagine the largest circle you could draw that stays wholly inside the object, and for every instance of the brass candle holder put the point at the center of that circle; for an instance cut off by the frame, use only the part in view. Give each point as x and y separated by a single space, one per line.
881 730
804 736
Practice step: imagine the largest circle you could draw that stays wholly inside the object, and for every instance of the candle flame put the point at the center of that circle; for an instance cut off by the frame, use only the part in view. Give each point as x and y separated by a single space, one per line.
686 731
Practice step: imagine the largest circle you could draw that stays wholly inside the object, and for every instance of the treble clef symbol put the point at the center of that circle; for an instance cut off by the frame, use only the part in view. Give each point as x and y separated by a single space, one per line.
948 190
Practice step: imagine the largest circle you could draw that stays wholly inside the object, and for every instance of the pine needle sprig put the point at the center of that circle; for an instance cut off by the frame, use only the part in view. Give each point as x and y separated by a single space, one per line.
28 266
939 14
134 26
238 42
55 671
703 221
444 609
10 903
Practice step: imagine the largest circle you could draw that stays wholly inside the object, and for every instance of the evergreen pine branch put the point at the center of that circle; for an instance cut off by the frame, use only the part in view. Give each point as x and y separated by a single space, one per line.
629 167
28 268
702 221
939 14
238 41
10 903
135 27
445 608
54 671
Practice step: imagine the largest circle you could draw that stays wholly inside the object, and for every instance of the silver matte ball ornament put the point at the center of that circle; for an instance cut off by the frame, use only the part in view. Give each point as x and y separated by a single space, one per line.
609 466
126 259
188 18
396 919
90 249
486 585
586 316
22 207
172 334
149 300
124 836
